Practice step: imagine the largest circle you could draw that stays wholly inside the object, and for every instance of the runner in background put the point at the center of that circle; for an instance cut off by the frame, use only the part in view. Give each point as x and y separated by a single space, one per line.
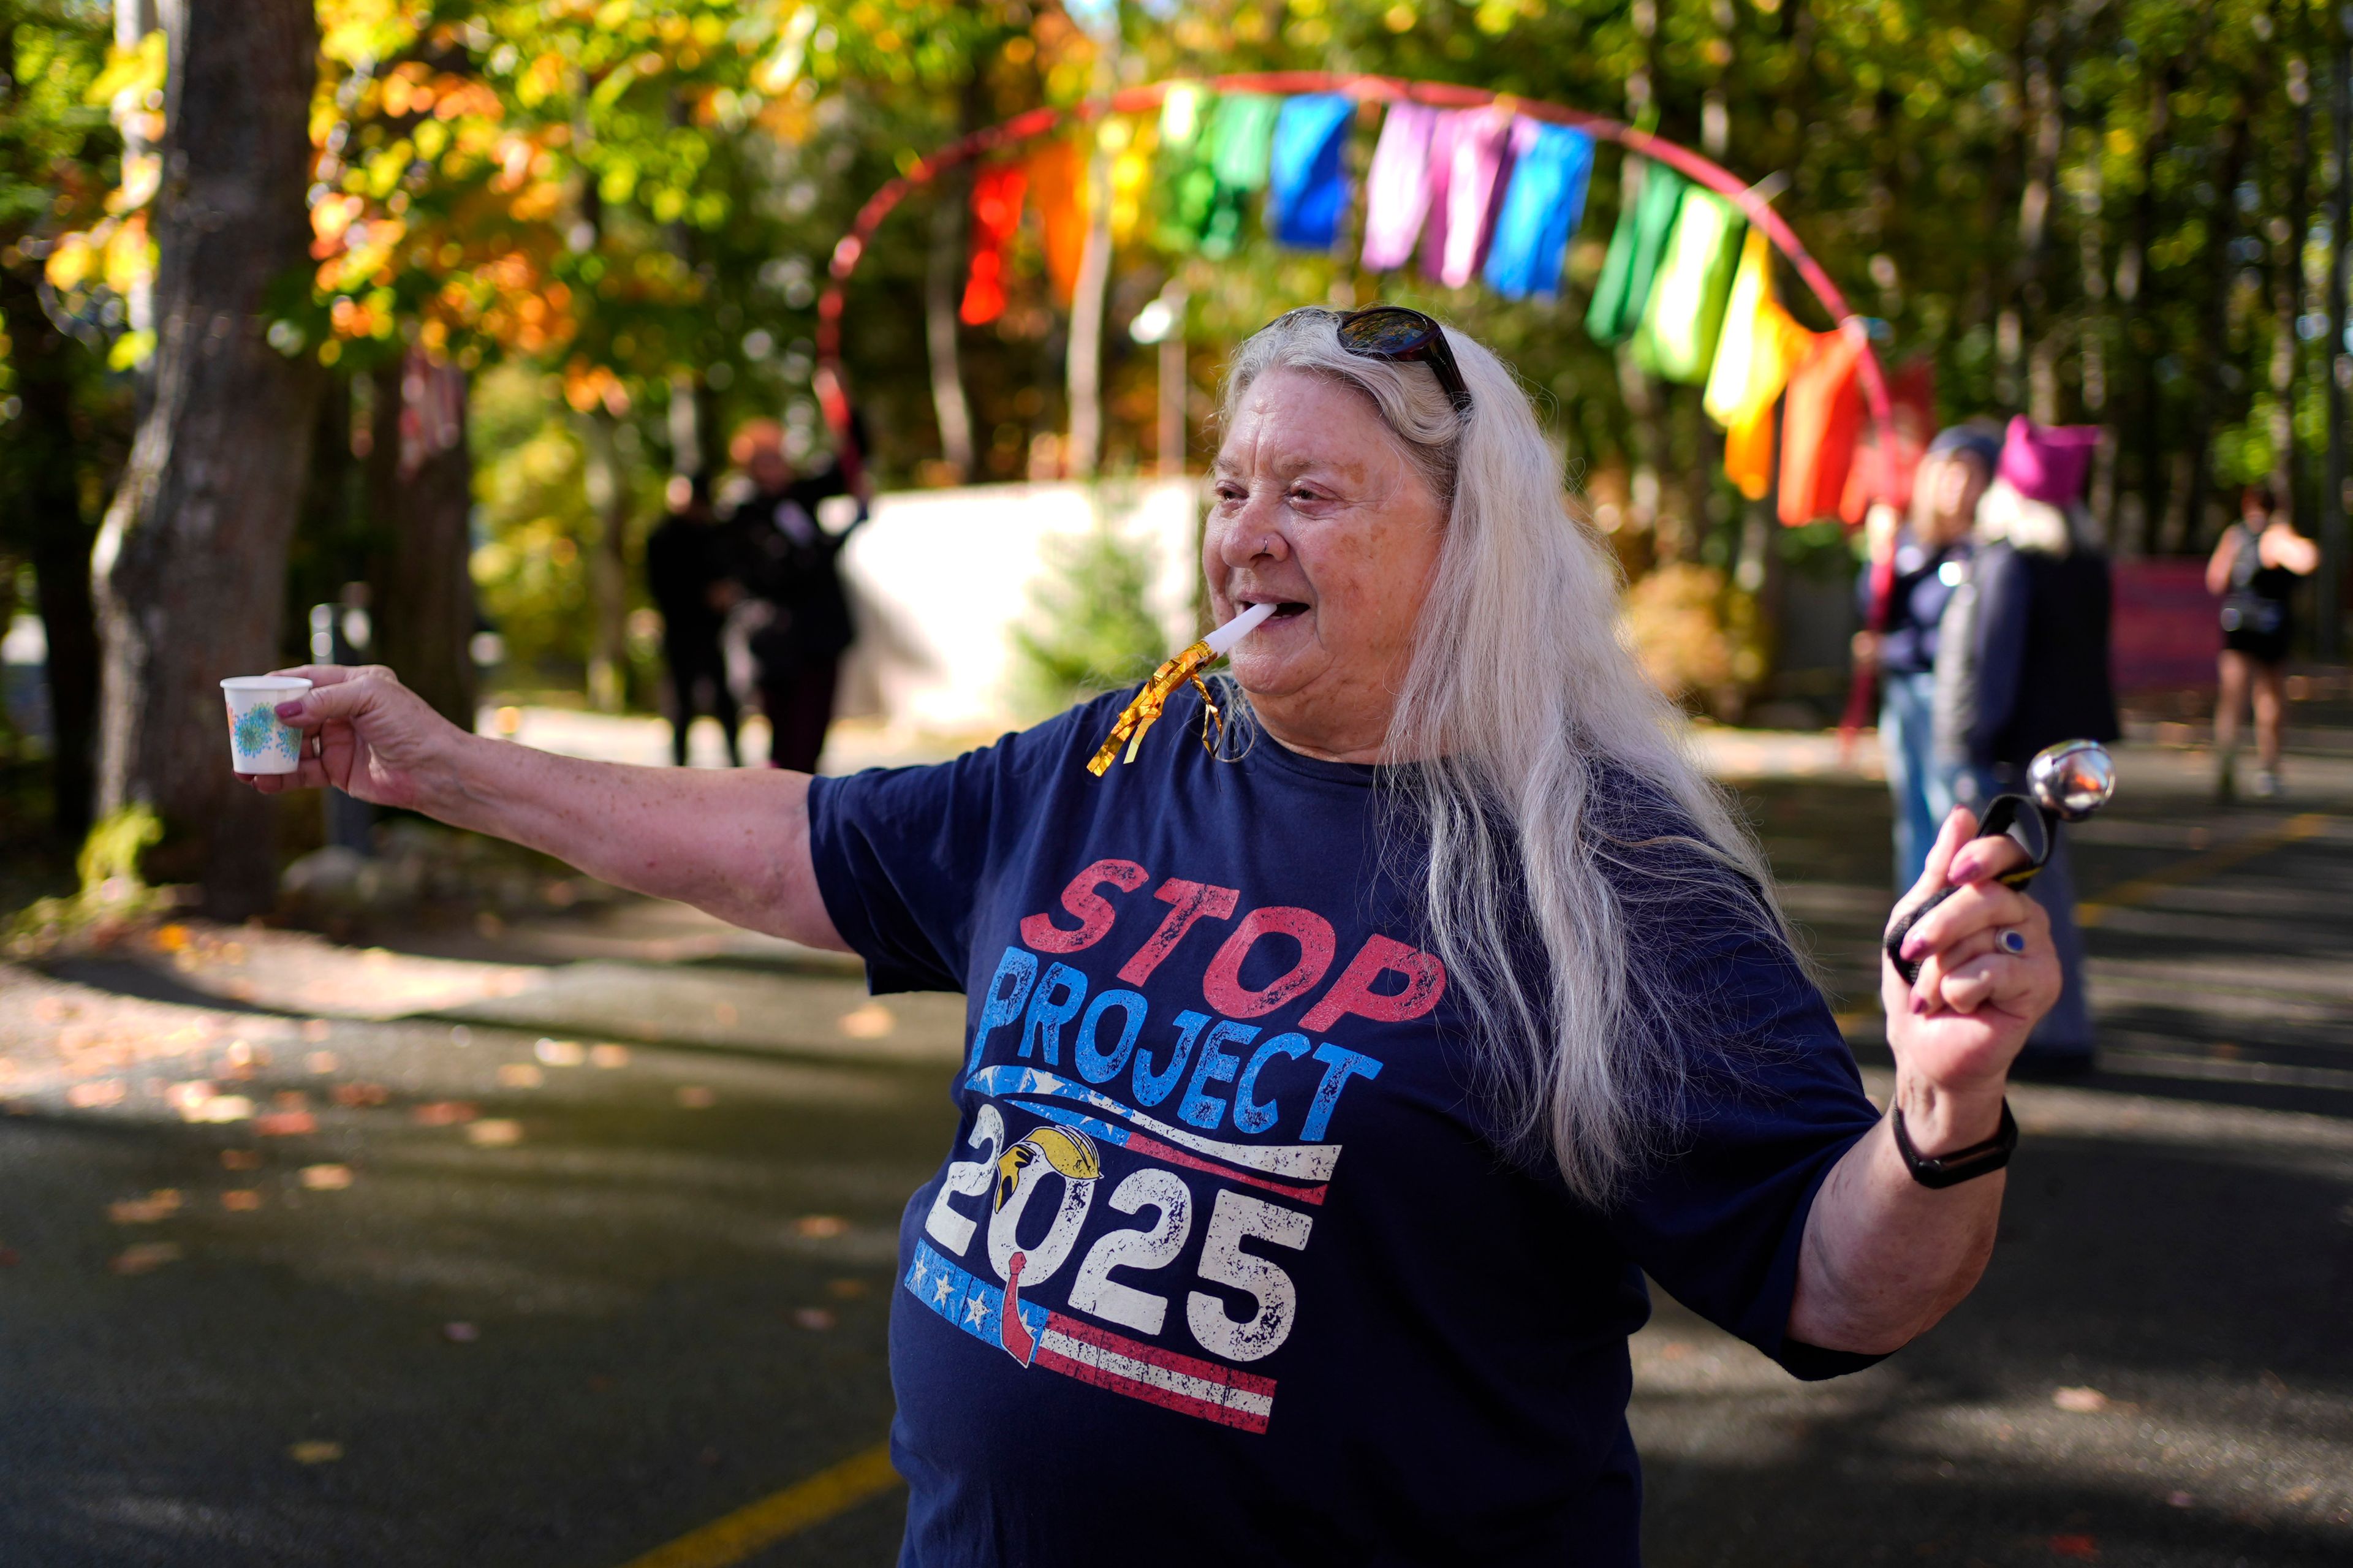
2253 571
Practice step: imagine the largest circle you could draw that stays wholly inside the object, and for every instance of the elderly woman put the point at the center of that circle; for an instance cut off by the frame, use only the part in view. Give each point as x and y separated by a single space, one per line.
1326 1098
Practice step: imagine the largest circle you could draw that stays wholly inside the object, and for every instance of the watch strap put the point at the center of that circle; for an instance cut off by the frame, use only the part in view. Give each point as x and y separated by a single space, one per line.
1958 1165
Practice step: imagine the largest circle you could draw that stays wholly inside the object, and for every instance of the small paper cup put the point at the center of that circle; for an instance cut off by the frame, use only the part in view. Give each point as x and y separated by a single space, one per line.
259 741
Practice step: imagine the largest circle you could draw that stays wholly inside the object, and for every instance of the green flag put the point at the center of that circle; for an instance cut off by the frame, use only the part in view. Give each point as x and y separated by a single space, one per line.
1240 138
1644 219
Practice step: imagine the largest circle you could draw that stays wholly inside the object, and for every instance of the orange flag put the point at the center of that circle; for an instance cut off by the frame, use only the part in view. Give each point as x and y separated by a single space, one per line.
1822 410
1058 176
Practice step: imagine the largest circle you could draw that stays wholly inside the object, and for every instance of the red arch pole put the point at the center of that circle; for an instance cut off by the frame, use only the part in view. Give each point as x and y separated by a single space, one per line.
852 247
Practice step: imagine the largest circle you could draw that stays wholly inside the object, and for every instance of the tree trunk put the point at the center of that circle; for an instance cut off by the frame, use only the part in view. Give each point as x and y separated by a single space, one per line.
2287 299
42 518
2143 411
943 272
2223 228
2329 602
192 557
420 501
1084 451
608 564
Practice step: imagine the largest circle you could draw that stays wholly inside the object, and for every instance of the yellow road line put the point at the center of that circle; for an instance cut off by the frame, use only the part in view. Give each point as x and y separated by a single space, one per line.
2139 889
823 1496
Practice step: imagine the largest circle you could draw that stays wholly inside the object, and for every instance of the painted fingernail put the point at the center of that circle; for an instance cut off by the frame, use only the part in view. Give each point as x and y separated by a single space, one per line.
290 712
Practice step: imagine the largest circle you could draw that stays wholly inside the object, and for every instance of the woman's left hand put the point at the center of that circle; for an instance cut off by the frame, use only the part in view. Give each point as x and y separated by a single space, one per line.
1962 1021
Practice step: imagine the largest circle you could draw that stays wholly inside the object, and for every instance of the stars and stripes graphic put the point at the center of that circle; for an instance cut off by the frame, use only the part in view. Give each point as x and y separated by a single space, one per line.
1095 1355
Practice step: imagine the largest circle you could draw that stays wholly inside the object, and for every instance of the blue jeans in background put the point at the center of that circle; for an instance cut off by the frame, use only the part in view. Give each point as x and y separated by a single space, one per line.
1923 795
2065 1033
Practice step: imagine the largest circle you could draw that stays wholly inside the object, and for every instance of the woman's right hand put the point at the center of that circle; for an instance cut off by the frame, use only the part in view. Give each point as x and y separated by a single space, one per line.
374 738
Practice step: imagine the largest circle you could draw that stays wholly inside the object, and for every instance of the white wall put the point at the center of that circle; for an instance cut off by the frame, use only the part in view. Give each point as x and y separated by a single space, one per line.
939 578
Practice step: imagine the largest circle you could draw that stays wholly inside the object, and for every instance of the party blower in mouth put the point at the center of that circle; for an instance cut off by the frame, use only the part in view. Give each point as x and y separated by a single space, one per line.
1139 715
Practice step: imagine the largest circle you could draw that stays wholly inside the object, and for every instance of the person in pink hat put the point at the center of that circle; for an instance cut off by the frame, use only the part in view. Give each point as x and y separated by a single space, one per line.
2023 663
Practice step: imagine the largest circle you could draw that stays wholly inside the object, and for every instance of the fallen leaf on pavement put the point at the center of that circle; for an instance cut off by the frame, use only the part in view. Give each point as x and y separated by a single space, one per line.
822 1226
460 1333
197 1100
326 1178
286 1124
144 1255
241 1200
560 1053
608 1056
161 1204
443 1114
496 1134
520 1074
90 1096
2081 1400
694 1097
314 1451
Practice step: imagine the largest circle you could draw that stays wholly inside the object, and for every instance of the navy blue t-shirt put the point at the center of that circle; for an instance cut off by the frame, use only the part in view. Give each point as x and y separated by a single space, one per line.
1228 1262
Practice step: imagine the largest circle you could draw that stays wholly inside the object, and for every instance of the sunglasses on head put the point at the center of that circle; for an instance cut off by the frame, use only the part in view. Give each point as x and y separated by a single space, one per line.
1399 336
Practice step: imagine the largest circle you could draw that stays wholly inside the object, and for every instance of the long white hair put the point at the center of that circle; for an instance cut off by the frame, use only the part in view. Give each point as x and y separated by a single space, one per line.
1531 745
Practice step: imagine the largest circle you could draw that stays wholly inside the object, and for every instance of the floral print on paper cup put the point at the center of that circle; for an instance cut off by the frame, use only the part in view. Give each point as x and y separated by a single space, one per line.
259 741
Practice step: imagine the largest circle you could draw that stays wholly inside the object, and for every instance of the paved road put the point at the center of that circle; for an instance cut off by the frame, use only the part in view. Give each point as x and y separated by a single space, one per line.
548 1240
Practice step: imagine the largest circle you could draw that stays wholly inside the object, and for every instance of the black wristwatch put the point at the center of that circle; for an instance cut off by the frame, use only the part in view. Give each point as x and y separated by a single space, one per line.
1961 1165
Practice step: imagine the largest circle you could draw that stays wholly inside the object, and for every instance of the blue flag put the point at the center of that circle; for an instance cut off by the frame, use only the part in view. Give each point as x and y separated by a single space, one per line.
1550 166
1307 194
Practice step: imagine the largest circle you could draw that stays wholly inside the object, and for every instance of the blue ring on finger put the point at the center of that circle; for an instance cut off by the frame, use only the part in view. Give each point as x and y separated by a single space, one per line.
2012 942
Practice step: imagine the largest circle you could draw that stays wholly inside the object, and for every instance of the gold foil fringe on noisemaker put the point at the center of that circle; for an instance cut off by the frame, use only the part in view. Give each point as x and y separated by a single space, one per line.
1143 713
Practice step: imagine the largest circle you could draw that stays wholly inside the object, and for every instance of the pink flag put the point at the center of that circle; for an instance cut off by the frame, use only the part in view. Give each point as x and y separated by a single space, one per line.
1396 194
1482 158
1439 173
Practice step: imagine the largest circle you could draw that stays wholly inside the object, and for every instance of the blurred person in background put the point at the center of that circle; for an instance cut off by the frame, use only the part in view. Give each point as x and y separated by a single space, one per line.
1931 559
687 573
790 565
2023 663
2253 571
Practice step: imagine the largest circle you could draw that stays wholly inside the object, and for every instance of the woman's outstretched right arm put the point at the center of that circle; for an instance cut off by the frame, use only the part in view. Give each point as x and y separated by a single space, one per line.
735 843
